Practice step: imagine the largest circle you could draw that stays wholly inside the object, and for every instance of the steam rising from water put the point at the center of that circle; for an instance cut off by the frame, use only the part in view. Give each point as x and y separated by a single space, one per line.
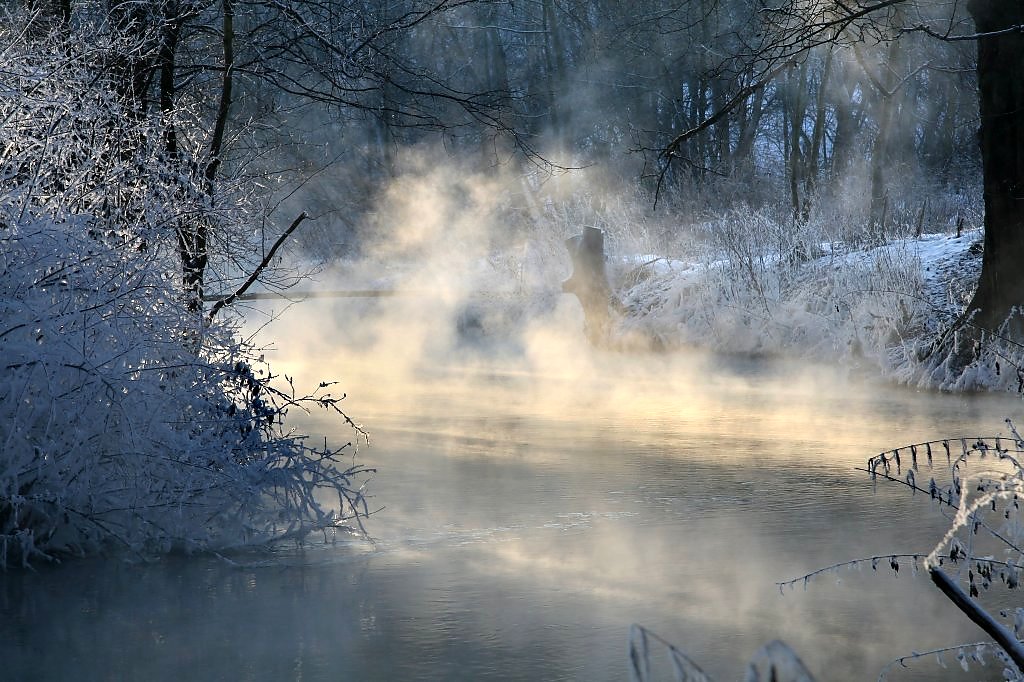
477 265
538 495
477 260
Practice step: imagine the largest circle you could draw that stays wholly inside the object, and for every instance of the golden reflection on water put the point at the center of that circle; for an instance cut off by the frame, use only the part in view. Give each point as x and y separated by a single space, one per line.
672 490
552 377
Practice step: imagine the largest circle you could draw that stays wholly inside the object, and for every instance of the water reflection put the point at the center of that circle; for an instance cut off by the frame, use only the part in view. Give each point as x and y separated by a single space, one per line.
529 517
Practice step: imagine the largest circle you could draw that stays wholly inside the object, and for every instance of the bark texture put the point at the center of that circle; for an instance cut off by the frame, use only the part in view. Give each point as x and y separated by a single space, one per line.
1001 136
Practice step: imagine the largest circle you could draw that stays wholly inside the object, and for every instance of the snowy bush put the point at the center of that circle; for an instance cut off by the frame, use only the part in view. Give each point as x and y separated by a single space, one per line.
978 564
127 417
124 420
753 283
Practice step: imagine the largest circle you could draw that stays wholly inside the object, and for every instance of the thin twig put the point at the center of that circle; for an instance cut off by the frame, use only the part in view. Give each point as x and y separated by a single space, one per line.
259 269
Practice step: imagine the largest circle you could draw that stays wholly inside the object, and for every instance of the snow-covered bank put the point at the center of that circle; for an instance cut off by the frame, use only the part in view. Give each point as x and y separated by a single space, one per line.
880 305
876 307
128 423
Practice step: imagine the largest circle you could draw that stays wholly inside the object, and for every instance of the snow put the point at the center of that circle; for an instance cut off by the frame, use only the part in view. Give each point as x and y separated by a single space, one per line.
874 306
127 420
866 306
118 430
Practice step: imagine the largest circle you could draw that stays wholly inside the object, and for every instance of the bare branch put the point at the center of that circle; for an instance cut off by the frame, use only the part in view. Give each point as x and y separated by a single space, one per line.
672 148
982 618
259 269
949 38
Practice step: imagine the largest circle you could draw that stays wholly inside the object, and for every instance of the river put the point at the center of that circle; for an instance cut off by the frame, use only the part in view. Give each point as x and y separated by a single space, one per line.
529 513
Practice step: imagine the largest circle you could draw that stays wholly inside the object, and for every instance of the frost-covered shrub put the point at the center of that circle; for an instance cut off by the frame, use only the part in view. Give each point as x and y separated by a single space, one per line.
125 420
978 564
754 283
974 359
975 482
127 417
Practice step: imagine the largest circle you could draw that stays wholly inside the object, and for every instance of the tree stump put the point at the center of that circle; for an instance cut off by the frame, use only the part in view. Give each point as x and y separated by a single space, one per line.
589 283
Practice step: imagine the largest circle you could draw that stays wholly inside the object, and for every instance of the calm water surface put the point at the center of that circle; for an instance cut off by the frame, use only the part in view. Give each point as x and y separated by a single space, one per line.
530 513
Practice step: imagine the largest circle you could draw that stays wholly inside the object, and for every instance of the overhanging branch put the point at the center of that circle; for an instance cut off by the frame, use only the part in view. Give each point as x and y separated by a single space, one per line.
672 148
950 38
982 618
259 269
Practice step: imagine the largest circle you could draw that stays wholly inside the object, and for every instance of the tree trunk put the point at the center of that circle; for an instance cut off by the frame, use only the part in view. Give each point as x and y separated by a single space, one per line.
937 143
744 158
795 104
698 112
554 54
882 156
589 283
495 147
1001 137
814 156
133 70
722 149
846 128
1001 104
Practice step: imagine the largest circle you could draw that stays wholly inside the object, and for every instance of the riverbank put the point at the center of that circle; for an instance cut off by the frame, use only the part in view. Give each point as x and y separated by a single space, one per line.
876 307
742 285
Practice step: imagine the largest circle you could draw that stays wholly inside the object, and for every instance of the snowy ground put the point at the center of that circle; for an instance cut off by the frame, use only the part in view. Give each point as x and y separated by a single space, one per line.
864 306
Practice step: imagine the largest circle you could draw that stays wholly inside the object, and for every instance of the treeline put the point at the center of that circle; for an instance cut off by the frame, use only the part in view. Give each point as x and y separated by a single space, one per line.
326 95
883 110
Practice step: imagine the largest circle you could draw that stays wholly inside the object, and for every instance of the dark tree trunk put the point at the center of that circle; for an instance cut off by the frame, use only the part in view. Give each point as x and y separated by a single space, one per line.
589 283
883 155
744 158
554 54
813 161
133 69
795 105
191 252
846 130
722 152
1001 104
1001 137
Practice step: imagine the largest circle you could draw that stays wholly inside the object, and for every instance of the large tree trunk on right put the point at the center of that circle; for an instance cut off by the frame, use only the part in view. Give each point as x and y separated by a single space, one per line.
1001 100
995 307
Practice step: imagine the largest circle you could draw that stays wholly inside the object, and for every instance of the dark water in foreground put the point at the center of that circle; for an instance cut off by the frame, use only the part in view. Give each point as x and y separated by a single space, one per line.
530 517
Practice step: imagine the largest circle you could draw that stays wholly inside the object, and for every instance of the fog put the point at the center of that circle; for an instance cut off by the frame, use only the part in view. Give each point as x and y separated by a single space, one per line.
526 515
787 223
536 494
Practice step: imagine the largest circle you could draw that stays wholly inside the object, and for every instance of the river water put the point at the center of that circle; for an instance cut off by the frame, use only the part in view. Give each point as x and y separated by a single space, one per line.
530 512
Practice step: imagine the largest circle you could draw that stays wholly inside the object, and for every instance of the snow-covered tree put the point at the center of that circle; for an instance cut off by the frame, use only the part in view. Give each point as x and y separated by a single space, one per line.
127 418
786 35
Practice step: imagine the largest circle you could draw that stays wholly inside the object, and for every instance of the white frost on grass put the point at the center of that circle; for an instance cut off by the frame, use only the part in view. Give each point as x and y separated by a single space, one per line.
878 304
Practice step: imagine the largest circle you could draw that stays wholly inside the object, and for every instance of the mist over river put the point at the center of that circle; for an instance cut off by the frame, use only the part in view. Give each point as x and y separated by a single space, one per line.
532 506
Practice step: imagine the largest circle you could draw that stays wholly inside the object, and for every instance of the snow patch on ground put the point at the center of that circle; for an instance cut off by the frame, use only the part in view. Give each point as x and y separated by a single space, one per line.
743 289
877 305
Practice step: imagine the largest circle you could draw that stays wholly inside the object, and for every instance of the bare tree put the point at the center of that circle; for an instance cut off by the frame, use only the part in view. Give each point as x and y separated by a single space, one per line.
218 59
792 31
